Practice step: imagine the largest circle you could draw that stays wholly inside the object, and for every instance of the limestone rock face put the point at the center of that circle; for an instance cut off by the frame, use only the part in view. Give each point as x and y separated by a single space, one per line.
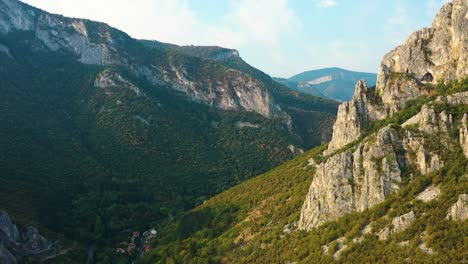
353 116
349 181
459 210
109 79
358 178
439 53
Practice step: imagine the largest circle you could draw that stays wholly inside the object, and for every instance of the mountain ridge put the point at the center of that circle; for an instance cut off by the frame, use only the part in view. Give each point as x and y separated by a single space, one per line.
333 83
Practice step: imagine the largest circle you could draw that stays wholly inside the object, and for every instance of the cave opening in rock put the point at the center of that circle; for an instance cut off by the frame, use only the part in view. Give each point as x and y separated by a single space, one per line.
427 77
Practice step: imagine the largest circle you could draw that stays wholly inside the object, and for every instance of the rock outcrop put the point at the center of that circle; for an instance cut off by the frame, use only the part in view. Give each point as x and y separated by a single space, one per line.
402 222
353 181
464 135
459 210
15 245
434 54
354 177
429 194
399 224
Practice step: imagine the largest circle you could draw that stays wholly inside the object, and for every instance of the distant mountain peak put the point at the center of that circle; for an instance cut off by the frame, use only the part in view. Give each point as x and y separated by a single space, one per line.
332 83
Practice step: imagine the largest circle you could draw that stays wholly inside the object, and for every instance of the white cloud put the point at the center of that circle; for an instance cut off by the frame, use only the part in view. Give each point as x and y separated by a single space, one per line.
326 3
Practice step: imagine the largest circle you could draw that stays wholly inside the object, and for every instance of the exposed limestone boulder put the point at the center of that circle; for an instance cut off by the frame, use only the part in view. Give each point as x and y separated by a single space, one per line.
27 243
399 224
384 234
402 222
459 210
398 90
429 194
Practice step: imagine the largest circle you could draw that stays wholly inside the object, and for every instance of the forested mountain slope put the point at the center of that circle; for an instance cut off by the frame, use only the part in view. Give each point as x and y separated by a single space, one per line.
101 134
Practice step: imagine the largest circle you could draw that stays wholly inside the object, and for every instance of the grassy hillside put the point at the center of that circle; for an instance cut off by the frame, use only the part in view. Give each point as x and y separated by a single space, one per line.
255 221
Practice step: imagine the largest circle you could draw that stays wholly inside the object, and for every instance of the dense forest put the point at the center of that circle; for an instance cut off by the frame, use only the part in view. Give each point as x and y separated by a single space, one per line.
93 164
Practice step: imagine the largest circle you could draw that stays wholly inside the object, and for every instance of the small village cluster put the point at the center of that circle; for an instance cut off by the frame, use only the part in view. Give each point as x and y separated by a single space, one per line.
138 243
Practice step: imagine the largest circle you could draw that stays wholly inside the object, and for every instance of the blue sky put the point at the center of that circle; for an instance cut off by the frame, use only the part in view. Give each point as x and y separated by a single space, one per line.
280 37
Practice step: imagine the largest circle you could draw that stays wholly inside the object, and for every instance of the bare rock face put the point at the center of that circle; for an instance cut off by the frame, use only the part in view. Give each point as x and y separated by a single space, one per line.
459 210
353 116
109 79
439 53
349 182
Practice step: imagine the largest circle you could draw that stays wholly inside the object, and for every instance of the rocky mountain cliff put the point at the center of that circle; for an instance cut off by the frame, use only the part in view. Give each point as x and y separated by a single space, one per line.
363 164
